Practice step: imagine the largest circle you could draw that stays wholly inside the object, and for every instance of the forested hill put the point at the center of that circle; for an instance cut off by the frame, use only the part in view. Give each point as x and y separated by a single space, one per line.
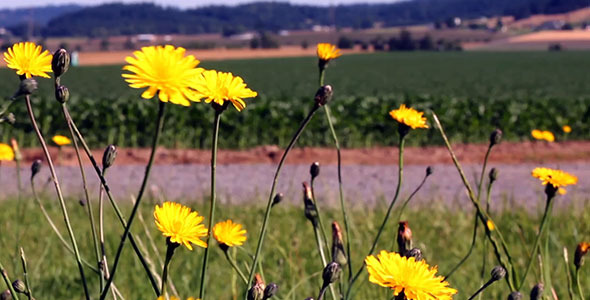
122 19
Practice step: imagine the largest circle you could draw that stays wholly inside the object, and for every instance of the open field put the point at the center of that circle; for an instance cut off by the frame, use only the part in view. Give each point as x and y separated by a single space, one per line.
290 257
473 93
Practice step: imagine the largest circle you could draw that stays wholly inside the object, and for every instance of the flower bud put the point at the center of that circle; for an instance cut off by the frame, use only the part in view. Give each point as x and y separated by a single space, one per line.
581 251
515 296
9 118
35 168
495 137
331 273
108 157
323 95
26 87
429 171
82 202
19 286
338 254
60 62
404 237
415 253
537 292
277 199
17 155
270 290
5 295
493 175
311 212
314 170
62 94
498 273
256 292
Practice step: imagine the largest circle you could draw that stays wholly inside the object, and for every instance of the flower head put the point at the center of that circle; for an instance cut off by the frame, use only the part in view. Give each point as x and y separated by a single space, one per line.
229 233
566 128
543 135
409 117
415 278
6 152
61 140
557 178
219 87
28 59
180 224
327 51
166 71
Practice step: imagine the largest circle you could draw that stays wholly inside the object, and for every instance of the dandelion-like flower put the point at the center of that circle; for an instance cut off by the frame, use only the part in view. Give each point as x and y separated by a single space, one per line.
229 233
166 71
6 152
557 178
566 128
327 51
409 117
28 59
180 224
61 140
543 135
219 87
416 279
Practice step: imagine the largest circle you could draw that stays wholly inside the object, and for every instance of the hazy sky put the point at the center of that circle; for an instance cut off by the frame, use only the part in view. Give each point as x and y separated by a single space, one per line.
177 3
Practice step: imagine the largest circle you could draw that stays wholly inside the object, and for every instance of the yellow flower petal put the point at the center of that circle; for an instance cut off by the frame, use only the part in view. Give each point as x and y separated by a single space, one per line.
6 152
180 224
61 140
409 117
219 87
28 59
327 51
229 233
557 178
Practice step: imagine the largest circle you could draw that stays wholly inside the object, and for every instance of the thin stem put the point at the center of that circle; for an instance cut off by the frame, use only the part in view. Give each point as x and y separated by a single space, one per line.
216 122
546 214
103 264
401 211
570 286
483 287
235 266
322 291
148 168
320 222
389 209
23 260
169 254
580 292
8 282
59 194
547 263
86 195
483 171
273 188
319 244
473 239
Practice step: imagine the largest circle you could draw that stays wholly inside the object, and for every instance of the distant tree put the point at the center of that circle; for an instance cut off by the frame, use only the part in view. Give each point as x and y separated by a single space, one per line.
426 43
129 44
267 41
379 43
304 44
405 42
345 43
555 47
105 44
567 26
254 43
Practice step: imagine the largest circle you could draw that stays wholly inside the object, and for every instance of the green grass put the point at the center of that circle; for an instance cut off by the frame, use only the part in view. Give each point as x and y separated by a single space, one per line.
290 258
473 93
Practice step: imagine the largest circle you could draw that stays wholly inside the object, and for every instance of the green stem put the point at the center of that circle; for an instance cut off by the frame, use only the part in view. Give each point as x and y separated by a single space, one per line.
216 122
483 171
59 194
273 188
319 243
570 286
86 195
546 214
235 266
8 282
320 222
169 253
483 287
473 239
26 274
580 292
148 168
389 209
547 269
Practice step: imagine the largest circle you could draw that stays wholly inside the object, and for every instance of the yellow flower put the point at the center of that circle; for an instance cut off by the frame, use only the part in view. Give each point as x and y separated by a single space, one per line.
409 117
6 152
174 298
491 225
166 71
537 134
416 279
327 51
229 233
548 136
557 178
566 128
543 135
180 224
28 59
61 140
220 87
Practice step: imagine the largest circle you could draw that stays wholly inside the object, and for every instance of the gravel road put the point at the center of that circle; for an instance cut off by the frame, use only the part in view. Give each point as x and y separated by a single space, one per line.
363 184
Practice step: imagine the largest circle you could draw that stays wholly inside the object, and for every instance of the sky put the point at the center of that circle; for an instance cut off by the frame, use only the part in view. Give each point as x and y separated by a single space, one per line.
174 3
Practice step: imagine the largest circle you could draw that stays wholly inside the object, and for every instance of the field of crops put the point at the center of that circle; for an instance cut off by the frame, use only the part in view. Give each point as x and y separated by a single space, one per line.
471 92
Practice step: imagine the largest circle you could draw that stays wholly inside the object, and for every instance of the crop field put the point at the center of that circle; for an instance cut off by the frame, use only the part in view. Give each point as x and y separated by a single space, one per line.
473 93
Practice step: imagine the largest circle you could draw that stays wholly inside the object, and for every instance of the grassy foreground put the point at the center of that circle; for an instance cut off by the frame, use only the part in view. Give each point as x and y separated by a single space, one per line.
473 93
291 260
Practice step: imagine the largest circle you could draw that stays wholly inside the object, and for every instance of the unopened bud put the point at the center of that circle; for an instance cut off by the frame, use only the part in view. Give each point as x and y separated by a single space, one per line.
60 62
35 168
331 273
108 157
5 295
415 253
404 237
270 290
277 199
311 212
338 254
429 170
493 175
256 292
62 94
324 95
581 251
19 286
537 291
515 296
82 202
314 170
26 87
17 155
495 137
498 273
